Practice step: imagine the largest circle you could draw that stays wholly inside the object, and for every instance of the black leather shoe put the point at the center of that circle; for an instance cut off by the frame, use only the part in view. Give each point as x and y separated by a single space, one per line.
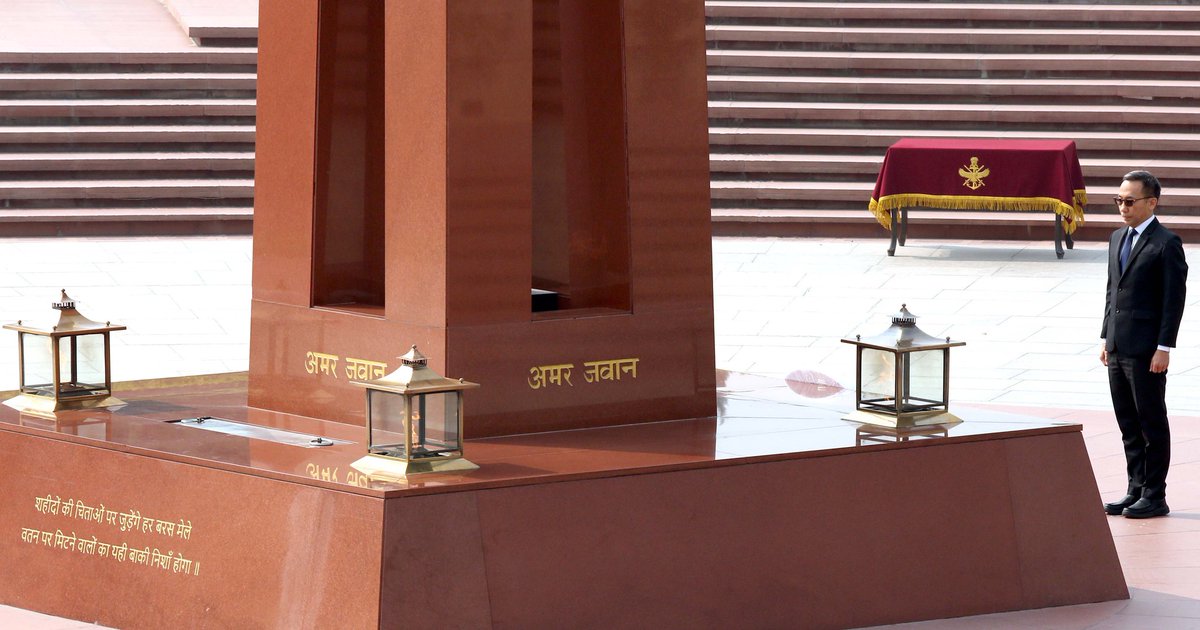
1116 507
1146 508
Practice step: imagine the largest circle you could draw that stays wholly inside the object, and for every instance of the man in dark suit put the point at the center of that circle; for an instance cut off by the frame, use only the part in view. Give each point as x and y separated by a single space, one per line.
1147 276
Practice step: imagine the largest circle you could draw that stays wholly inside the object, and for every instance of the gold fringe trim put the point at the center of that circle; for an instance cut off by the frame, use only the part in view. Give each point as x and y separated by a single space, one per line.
1073 213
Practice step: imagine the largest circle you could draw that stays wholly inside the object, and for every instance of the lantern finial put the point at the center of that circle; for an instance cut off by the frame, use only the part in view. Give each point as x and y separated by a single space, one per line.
904 317
64 303
414 358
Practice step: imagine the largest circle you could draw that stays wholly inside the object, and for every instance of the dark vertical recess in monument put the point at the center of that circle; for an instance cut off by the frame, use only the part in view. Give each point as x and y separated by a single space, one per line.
581 220
348 245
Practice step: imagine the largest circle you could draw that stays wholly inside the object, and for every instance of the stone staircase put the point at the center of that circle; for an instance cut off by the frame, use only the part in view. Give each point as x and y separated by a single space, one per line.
128 142
805 97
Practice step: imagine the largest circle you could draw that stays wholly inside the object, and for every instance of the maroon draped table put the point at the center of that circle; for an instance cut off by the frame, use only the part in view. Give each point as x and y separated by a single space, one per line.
980 174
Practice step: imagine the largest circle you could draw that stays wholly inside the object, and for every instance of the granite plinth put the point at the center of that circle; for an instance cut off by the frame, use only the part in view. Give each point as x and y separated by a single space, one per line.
774 513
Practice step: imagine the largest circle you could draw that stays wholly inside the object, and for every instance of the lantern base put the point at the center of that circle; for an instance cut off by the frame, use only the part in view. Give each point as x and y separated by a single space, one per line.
384 468
918 419
45 406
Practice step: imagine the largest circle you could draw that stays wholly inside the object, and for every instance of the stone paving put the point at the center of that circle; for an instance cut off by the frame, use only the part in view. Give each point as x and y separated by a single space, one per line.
185 300
1030 322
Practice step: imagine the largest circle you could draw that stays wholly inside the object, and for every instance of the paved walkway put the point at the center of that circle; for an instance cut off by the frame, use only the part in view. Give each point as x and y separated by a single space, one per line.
186 301
1030 323
86 25
125 25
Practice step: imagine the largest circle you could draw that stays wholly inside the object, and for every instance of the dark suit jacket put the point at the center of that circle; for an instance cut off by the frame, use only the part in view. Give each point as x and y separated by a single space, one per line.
1144 305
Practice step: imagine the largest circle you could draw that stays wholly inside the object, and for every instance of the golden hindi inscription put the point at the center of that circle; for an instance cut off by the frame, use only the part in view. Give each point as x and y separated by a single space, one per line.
324 364
131 521
593 372
363 370
546 375
321 363
609 370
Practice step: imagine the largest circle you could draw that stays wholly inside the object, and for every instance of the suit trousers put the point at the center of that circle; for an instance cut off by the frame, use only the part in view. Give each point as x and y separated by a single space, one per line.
1139 401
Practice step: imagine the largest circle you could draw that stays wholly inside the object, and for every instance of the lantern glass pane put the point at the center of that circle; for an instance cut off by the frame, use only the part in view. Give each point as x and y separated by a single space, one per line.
387 422
878 372
81 366
439 433
37 369
925 380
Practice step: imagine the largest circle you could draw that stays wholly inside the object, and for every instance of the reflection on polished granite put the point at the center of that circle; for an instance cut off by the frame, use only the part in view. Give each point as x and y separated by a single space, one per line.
759 418
763 416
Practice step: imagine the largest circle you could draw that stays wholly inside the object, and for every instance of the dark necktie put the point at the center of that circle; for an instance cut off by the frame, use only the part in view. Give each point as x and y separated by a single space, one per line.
1125 247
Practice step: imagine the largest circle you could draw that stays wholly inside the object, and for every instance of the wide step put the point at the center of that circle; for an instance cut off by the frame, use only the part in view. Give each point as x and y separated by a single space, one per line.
121 108
138 161
122 189
74 134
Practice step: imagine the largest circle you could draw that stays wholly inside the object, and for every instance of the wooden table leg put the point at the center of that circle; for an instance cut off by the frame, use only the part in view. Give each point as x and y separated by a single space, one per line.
903 226
1070 241
895 230
1058 235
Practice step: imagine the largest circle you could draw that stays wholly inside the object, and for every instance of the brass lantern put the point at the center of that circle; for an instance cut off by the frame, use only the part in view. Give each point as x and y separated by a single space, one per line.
63 365
903 376
414 421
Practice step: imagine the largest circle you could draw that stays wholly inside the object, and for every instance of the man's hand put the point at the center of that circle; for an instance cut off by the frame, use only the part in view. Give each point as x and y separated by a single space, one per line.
1103 356
1158 364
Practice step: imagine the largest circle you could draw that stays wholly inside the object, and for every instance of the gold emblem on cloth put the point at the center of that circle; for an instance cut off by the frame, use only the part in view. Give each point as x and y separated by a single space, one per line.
974 174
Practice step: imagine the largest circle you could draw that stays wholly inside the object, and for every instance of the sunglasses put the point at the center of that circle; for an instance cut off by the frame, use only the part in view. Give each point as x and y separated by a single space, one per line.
1127 201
